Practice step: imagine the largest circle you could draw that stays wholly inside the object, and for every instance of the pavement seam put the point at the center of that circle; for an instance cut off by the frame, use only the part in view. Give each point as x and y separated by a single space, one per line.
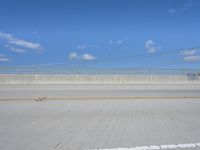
102 98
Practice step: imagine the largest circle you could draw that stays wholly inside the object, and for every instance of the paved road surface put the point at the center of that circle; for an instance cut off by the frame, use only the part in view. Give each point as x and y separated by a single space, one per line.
93 124
98 91
78 125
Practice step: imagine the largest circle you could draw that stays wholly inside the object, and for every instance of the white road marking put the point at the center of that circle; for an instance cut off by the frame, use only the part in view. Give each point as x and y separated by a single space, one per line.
155 147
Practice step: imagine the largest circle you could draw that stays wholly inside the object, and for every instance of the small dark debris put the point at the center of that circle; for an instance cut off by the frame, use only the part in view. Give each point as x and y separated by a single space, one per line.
57 145
40 99
172 118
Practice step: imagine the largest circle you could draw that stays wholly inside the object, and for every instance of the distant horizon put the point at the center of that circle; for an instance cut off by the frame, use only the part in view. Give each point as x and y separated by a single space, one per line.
97 71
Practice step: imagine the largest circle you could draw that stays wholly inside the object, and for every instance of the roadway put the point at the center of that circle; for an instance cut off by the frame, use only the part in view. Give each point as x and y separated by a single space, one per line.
136 123
98 91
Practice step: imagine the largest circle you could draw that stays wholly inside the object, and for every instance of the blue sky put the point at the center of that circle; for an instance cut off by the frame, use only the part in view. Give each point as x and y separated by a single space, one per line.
100 33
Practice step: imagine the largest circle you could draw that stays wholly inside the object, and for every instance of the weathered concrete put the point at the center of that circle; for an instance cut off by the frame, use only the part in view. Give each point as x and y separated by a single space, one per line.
34 79
66 92
93 124
84 123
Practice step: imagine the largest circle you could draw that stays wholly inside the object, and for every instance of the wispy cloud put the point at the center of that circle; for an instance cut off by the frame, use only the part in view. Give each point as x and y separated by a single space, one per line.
120 42
83 46
73 55
189 51
4 58
111 42
151 46
172 10
116 42
15 49
12 42
186 5
86 56
192 58
190 55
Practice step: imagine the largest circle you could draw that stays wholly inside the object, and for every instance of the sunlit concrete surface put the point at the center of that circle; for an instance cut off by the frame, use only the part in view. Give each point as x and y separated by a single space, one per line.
79 117
93 124
98 91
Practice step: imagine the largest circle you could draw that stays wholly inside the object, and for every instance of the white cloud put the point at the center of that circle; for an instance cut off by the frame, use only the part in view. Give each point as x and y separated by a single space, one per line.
188 3
189 51
86 56
14 49
151 46
172 10
73 55
116 42
120 42
190 55
5 36
11 40
111 42
4 58
25 44
191 58
83 46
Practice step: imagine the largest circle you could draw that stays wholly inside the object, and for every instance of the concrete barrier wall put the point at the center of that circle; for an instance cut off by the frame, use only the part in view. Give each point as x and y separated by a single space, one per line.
33 79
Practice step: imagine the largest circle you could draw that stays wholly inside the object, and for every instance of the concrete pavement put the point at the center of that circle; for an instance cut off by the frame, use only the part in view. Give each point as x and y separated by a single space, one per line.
89 124
98 91
132 117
